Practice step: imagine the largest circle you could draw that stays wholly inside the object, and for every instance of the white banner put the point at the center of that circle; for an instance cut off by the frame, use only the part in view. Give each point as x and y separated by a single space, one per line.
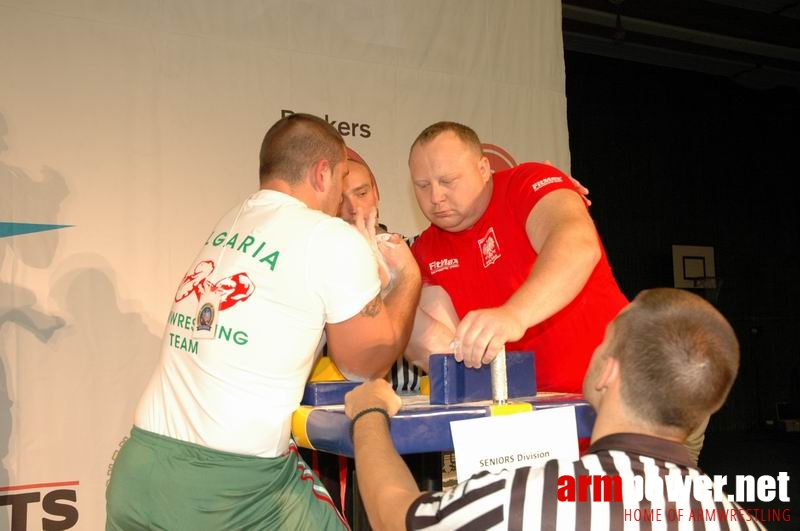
128 127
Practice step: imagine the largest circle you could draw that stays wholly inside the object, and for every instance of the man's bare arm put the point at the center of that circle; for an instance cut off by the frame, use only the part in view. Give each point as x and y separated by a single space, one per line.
367 344
564 236
435 324
386 485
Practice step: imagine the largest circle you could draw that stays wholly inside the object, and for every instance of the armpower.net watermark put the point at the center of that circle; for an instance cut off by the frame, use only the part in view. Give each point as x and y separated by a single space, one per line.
679 490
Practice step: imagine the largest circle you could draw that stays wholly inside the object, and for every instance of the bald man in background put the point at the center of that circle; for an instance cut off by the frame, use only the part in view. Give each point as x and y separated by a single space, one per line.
360 193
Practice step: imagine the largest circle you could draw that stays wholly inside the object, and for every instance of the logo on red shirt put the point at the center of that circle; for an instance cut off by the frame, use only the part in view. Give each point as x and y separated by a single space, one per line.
437 266
541 183
490 249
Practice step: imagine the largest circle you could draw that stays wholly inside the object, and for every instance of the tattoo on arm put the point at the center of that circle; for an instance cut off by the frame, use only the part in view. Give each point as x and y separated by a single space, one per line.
373 307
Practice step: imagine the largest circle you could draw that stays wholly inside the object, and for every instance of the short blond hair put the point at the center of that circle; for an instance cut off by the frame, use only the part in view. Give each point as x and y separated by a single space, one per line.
678 357
463 132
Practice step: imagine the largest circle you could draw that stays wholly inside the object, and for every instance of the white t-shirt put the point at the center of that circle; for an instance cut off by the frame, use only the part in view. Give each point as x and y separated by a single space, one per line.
278 271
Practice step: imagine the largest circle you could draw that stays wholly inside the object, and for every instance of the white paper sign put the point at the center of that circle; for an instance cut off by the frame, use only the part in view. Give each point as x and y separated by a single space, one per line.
513 441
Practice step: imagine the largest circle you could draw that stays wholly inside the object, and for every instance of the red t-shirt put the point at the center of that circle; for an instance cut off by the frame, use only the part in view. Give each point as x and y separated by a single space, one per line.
481 267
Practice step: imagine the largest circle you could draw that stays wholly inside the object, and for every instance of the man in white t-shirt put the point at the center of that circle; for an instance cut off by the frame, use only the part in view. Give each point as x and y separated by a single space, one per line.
211 447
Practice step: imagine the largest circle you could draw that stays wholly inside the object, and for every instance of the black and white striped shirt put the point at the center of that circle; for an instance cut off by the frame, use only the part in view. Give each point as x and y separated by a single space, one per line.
405 376
527 498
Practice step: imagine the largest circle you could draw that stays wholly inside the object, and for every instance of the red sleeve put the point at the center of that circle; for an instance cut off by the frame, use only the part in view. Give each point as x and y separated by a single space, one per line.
527 183
418 250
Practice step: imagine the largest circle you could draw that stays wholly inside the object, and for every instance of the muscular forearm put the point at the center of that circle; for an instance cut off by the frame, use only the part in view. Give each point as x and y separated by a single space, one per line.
428 336
401 303
385 483
373 340
435 323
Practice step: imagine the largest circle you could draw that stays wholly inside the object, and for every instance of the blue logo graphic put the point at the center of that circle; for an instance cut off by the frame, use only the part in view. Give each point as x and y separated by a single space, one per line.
17 229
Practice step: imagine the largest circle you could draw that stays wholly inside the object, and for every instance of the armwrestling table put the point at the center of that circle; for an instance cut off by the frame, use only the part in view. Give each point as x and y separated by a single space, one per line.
418 428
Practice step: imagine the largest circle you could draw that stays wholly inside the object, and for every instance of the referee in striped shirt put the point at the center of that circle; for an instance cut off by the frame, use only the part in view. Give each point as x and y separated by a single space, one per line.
667 362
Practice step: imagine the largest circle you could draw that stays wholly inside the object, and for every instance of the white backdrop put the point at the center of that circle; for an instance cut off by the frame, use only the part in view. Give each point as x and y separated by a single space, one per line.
137 123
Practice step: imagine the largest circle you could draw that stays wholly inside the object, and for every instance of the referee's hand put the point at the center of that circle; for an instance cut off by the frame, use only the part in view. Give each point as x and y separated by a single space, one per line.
374 393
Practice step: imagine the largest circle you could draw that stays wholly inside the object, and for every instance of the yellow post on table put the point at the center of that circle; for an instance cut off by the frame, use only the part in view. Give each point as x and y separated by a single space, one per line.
500 404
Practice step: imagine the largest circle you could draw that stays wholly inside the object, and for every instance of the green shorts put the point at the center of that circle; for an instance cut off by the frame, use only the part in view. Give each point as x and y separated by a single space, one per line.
162 483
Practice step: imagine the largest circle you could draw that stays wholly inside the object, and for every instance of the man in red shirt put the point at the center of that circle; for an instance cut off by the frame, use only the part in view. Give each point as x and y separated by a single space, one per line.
510 260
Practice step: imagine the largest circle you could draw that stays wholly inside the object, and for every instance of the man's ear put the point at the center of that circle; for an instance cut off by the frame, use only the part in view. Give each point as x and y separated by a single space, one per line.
485 168
321 171
610 374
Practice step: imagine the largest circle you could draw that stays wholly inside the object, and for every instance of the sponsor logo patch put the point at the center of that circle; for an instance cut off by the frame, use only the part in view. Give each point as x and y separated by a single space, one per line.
541 183
437 266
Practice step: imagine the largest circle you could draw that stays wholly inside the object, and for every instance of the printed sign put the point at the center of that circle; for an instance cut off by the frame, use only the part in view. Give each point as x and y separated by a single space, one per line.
523 439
